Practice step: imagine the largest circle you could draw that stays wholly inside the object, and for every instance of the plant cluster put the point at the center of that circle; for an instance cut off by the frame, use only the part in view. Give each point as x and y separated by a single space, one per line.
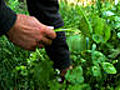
93 35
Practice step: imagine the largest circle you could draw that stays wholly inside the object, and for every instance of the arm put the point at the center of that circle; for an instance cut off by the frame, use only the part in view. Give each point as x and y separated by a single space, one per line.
24 31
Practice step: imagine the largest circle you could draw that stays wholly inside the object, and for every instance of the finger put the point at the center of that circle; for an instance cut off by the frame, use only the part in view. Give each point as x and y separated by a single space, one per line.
46 41
47 30
49 33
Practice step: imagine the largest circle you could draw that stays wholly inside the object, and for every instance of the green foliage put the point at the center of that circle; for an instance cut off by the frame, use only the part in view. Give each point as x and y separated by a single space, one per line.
101 30
18 7
100 60
79 87
93 35
109 68
77 43
75 76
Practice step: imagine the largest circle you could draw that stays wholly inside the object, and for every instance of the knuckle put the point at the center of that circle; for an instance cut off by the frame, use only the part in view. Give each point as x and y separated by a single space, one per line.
33 17
37 29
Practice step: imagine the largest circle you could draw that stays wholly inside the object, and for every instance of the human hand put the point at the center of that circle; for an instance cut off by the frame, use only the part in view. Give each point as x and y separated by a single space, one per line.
28 33
63 73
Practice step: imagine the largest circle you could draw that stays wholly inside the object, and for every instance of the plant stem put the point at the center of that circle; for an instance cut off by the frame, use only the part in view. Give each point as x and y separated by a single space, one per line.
64 30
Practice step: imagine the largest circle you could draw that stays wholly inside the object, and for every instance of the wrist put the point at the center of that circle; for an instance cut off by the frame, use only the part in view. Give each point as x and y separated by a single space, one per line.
64 71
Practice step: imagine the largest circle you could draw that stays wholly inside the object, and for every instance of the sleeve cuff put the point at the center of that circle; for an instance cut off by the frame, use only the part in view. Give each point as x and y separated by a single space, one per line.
7 19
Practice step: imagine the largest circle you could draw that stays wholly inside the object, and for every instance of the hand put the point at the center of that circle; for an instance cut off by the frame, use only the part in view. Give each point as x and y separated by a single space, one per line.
63 72
28 33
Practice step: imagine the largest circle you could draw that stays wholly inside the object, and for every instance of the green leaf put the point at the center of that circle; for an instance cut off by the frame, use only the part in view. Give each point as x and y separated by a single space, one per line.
97 38
107 33
79 87
77 43
102 31
98 57
98 25
86 26
108 13
43 73
75 76
94 47
55 85
96 71
114 53
109 68
118 35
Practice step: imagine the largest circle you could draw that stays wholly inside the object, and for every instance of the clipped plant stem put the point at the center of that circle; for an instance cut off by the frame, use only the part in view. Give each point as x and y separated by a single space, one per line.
64 30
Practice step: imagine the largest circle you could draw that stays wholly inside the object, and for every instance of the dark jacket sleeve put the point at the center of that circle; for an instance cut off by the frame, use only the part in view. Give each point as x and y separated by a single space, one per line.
7 18
47 12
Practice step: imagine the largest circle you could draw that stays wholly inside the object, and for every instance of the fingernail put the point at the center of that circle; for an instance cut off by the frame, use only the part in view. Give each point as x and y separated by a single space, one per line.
51 27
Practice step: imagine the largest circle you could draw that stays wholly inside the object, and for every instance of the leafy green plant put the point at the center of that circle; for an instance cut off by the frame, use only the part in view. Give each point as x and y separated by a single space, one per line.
93 39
